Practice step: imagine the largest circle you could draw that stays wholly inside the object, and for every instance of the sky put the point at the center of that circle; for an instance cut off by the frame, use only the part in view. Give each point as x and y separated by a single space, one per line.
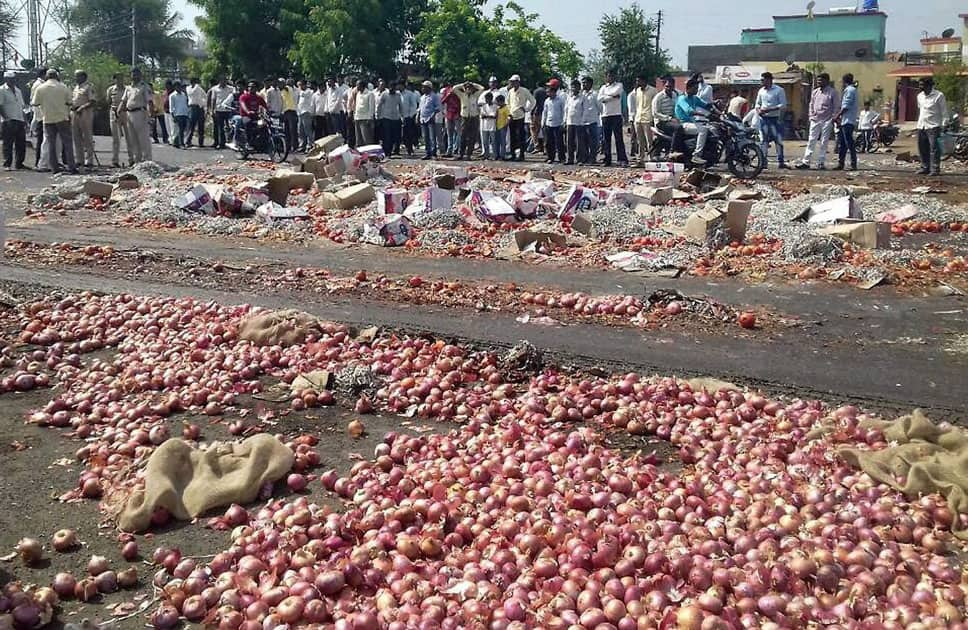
715 22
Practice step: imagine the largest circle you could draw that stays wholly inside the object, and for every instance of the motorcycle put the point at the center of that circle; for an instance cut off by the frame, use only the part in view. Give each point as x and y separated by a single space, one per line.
883 135
729 142
265 135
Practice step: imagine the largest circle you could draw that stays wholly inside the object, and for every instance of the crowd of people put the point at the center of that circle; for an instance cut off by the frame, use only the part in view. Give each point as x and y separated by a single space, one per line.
571 124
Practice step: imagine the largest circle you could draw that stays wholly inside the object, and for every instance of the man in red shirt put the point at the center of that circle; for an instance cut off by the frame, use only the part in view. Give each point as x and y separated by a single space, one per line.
250 104
452 121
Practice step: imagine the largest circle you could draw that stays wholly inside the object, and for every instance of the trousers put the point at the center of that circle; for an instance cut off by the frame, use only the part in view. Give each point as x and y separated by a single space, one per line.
847 145
364 132
196 122
613 129
470 132
819 138
139 143
771 131
117 132
82 128
643 131
517 138
929 146
554 143
577 143
59 131
14 134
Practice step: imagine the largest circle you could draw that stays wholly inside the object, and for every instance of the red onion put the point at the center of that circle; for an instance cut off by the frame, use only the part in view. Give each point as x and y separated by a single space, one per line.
30 551
64 540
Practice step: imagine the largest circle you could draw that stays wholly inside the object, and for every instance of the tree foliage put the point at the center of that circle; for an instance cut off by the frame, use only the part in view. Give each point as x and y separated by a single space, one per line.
951 78
249 38
461 42
100 68
8 21
628 45
105 26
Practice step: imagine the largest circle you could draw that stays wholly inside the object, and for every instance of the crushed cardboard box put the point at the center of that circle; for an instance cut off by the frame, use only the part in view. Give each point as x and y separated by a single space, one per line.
94 188
583 225
703 225
271 212
831 211
349 197
866 234
128 181
898 214
323 146
653 196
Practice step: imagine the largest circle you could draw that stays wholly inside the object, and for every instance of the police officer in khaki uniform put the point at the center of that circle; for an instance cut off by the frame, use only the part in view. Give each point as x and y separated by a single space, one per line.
114 95
136 104
82 121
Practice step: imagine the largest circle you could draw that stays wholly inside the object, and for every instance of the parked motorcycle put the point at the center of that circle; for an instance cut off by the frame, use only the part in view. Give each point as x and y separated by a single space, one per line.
265 135
730 142
883 135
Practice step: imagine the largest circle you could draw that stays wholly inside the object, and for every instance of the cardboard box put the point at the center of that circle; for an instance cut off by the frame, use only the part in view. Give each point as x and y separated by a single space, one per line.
721 192
866 234
372 152
703 224
272 212
529 241
128 182
315 166
388 230
329 143
745 194
831 211
898 214
198 199
578 199
392 200
498 210
582 225
334 169
658 179
427 201
94 188
355 196
653 196
664 167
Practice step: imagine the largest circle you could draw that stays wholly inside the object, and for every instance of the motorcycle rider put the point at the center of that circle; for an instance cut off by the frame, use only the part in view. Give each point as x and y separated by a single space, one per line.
250 106
688 107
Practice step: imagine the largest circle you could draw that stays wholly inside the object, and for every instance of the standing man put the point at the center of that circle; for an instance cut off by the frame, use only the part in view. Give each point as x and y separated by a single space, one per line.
824 106
389 113
13 128
592 119
552 120
54 100
470 116
336 108
664 114
159 100
576 140
847 119
688 107
932 114
137 106
537 133
520 103
643 117
770 102
178 106
196 111
364 114
411 106
290 118
273 98
82 122
114 94
452 120
610 96
428 110
220 96
304 108
319 112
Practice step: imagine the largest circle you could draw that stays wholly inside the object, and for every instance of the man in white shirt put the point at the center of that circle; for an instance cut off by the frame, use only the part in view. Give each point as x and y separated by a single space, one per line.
196 111
306 112
520 103
221 110
320 120
865 124
488 109
664 113
335 108
273 97
575 137
12 124
411 103
932 114
591 119
770 102
364 114
610 96
642 116
737 105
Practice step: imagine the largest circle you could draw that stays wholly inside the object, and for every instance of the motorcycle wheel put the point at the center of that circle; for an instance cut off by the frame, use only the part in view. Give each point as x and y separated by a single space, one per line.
875 144
748 161
889 140
278 152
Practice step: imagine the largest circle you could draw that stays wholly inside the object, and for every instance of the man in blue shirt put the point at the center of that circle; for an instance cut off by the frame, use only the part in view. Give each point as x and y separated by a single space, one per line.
688 107
770 103
429 106
848 123
552 119
178 106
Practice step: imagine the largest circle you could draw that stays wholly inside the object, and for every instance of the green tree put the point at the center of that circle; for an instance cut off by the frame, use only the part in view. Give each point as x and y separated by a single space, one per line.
250 38
537 54
105 26
628 45
100 68
458 40
8 22
951 78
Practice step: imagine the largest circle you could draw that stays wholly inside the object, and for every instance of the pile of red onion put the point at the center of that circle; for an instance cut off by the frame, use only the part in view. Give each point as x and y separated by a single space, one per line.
522 517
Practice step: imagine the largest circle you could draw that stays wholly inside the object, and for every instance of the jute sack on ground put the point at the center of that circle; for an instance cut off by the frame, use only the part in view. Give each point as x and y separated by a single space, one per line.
188 482
928 458
278 328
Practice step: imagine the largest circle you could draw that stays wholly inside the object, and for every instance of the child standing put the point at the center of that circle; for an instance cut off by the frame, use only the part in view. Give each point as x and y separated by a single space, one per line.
489 127
503 117
868 119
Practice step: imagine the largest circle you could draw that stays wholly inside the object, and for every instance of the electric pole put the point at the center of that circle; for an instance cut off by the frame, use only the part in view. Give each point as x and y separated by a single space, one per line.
658 33
134 33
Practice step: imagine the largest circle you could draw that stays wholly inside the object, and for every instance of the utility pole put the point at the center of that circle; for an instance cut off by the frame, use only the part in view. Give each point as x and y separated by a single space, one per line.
658 33
134 34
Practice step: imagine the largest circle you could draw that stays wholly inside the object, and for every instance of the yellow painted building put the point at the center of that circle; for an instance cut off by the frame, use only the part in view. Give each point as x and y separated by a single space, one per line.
871 76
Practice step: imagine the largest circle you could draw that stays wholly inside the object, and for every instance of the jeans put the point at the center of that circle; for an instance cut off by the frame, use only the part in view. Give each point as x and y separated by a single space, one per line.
820 132
613 127
196 122
469 136
771 129
489 144
390 135
156 122
181 124
221 118
238 124
14 134
429 137
866 137
847 144
453 128
517 138
554 144
306 129
62 131
929 146
501 139
577 142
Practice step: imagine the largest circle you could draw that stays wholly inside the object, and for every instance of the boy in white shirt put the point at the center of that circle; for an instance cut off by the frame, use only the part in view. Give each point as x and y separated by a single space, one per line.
489 126
868 119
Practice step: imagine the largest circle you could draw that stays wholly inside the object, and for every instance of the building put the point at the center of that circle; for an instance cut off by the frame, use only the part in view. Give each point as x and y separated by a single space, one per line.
964 38
838 35
934 52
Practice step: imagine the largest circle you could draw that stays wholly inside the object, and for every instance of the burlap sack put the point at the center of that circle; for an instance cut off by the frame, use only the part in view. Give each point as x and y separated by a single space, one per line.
279 328
188 482
928 458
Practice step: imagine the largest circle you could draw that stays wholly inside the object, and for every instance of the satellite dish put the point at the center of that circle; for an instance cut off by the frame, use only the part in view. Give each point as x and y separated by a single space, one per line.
790 60
948 32
860 53
811 5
